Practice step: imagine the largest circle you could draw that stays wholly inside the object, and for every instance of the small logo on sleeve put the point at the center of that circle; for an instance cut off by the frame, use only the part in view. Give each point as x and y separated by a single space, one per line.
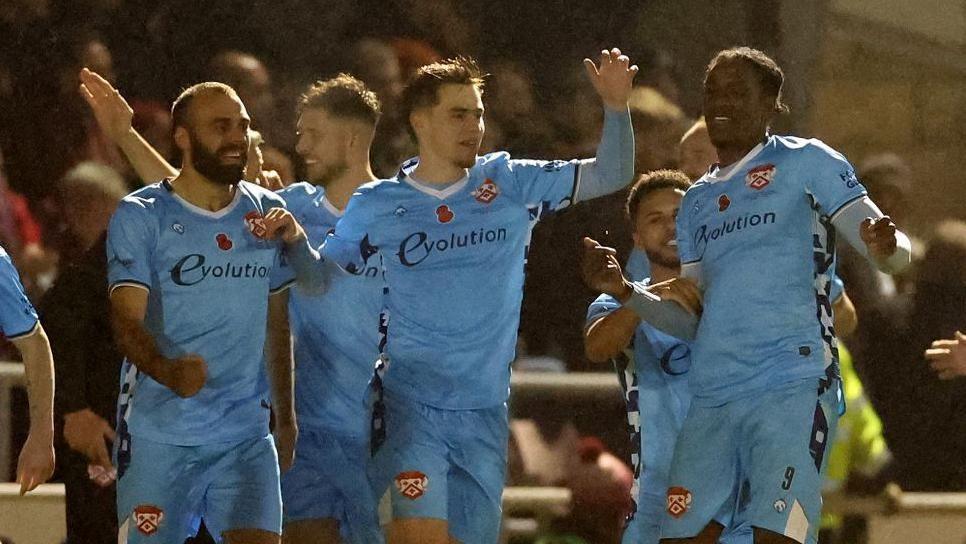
148 518
760 176
412 484
444 214
678 501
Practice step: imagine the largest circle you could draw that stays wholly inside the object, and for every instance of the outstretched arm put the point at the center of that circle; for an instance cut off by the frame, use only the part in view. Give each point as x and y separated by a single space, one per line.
114 115
874 235
613 167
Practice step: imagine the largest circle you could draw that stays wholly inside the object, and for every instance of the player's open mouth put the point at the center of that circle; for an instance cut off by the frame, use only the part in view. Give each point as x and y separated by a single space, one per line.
310 162
232 157
671 243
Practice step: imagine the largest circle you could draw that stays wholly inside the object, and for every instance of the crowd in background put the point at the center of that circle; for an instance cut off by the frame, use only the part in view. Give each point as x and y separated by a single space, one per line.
61 177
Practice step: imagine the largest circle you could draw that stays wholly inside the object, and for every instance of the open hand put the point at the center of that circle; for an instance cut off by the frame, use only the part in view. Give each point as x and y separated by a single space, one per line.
112 112
613 79
681 290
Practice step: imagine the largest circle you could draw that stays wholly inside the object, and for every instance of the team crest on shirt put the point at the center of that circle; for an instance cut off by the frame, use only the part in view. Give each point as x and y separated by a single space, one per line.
444 214
412 484
223 241
487 192
148 518
256 223
760 176
678 501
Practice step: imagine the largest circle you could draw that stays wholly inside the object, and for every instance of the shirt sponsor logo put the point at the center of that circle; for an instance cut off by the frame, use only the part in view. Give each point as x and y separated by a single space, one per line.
760 176
191 269
418 246
412 484
705 234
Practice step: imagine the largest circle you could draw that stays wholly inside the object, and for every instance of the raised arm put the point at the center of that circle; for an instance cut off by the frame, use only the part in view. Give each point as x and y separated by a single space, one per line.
613 167
114 115
278 359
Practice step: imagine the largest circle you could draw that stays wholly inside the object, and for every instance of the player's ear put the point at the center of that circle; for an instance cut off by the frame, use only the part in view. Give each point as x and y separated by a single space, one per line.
182 139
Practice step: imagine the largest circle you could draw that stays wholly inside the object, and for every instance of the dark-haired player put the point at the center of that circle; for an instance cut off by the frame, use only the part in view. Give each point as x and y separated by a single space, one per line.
756 237
452 231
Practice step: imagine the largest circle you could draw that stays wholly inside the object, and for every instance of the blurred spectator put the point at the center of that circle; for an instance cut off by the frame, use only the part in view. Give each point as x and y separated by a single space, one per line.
88 194
87 365
20 234
511 102
548 450
152 120
658 127
658 72
923 417
376 64
696 154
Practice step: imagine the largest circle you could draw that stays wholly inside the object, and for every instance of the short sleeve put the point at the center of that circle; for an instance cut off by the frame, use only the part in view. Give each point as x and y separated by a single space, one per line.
601 308
831 178
349 245
685 238
131 239
18 318
553 184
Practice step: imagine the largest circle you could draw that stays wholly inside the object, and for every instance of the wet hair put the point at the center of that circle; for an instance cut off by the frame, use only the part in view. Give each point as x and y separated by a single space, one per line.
770 76
423 88
654 181
180 110
343 96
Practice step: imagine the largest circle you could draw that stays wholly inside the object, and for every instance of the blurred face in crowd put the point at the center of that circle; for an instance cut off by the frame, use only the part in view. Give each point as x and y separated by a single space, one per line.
736 109
453 128
654 231
215 142
323 142
696 152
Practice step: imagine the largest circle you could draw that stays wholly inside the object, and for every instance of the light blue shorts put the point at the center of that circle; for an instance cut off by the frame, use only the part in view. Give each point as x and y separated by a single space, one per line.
166 490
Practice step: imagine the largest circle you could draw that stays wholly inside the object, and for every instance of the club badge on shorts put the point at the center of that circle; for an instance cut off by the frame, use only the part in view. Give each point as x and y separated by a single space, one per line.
678 501
412 484
147 518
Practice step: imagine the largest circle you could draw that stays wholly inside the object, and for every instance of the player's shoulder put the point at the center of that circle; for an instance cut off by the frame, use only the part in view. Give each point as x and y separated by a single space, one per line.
147 199
265 197
493 164
300 194
809 149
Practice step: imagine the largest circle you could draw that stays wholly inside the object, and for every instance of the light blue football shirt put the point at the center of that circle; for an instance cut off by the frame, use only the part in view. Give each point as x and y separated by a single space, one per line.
336 333
761 231
18 317
454 259
209 277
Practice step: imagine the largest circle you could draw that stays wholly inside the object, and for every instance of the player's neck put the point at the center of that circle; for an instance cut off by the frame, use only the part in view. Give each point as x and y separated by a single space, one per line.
437 171
201 191
734 153
339 191
661 273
